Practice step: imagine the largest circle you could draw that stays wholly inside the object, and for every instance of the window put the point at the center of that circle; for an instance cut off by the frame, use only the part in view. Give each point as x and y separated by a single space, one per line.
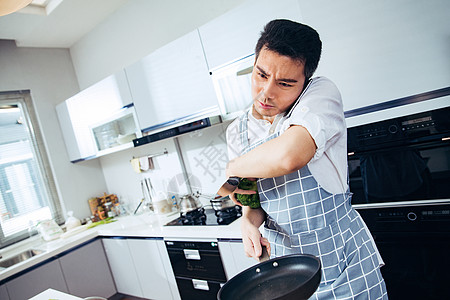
27 189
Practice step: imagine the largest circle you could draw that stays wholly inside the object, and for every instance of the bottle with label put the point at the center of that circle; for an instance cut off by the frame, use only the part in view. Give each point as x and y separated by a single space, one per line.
174 204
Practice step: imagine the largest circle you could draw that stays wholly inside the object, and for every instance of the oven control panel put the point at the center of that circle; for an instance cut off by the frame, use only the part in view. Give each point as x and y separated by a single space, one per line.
432 218
400 131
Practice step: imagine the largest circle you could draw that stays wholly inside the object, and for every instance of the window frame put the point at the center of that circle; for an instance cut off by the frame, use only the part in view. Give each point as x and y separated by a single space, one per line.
24 101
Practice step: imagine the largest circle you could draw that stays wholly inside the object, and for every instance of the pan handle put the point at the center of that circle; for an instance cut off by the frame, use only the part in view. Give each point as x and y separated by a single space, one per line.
264 254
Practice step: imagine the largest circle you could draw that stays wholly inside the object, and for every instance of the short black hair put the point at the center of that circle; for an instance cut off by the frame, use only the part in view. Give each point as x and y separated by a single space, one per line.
295 40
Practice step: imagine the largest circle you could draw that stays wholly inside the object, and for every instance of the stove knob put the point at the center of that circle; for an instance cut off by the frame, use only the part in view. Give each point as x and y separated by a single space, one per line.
393 129
411 216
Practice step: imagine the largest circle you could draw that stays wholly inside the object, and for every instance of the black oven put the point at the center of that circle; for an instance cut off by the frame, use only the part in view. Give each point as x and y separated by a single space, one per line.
198 269
406 159
399 174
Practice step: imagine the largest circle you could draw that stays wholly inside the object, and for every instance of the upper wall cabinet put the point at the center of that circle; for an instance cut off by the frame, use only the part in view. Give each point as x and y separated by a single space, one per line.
171 83
234 34
94 121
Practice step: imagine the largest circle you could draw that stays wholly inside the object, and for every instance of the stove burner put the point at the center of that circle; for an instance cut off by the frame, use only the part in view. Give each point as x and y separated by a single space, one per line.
194 217
228 215
202 216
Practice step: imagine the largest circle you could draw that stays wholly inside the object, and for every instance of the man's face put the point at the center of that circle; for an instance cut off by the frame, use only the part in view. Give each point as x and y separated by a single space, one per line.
280 78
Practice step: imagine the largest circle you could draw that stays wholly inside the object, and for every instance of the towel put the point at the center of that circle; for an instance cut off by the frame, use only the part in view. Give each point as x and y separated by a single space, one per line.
136 165
143 162
151 166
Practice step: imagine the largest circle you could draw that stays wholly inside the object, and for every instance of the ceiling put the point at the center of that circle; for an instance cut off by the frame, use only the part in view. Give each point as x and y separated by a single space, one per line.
56 23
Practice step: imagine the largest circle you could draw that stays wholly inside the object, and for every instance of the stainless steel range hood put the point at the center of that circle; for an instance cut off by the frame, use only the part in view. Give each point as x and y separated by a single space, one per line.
202 119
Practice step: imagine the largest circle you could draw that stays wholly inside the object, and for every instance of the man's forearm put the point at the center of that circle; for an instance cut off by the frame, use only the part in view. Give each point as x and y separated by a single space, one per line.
280 156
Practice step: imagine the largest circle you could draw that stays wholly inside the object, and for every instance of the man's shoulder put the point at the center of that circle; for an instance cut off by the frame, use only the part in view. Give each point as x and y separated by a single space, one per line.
323 86
322 81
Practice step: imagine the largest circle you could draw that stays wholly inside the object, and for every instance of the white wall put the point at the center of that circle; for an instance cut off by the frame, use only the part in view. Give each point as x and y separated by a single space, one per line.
49 74
377 51
205 156
125 182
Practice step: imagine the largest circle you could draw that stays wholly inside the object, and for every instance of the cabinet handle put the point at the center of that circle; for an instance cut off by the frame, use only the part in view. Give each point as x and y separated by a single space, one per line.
245 71
200 284
191 254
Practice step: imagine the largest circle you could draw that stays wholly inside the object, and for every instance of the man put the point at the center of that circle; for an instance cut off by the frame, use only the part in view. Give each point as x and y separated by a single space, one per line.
293 140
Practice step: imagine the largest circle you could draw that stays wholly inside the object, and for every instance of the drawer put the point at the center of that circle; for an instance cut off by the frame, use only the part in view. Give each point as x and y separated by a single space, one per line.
197 289
199 264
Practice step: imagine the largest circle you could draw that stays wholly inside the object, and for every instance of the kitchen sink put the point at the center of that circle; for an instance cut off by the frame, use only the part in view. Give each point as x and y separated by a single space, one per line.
8 262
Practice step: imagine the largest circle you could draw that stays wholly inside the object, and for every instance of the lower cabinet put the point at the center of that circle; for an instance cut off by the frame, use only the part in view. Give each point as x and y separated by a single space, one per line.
3 292
48 275
139 268
87 272
233 257
82 272
151 259
122 266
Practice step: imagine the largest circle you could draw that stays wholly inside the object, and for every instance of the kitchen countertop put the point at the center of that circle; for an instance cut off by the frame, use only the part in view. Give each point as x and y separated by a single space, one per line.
143 225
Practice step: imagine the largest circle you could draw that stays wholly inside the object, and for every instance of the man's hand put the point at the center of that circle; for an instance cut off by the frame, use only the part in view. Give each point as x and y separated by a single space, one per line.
241 191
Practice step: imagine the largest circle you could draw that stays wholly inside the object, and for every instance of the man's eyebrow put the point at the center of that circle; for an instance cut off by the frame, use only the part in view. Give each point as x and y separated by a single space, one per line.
261 70
280 79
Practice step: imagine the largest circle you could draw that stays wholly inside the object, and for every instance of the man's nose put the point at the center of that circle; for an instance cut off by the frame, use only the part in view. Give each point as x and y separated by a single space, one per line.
270 88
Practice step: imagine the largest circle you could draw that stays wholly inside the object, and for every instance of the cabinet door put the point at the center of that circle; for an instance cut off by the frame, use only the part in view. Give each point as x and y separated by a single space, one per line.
234 34
234 258
122 266
171 83
36 281
89 107
153 275
241 260
87 272
73 138
3 292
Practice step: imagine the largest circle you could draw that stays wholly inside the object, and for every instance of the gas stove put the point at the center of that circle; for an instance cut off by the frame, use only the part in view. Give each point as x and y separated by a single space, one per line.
207 216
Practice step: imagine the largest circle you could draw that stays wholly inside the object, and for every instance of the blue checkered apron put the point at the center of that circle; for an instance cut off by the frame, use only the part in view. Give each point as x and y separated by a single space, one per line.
302 217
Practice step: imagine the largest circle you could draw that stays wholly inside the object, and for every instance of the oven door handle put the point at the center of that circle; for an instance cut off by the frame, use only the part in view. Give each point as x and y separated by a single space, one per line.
200 284
192 254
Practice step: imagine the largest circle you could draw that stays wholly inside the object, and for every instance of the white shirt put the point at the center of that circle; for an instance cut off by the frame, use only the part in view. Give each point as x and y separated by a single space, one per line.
320 111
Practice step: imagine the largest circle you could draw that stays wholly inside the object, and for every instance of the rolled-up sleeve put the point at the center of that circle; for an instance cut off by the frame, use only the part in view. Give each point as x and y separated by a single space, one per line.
320 111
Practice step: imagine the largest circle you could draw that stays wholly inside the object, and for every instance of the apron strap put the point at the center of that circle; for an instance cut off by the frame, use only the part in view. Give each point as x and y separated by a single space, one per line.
243 132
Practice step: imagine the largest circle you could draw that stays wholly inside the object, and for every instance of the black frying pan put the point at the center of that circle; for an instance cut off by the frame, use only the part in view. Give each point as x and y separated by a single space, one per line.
295 276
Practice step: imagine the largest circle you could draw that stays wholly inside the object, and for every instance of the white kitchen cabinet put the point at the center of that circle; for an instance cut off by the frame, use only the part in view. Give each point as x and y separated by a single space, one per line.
87 272
3 292
90 107
172 83
122 266
234 34
117 132
150 263
233 258
48 275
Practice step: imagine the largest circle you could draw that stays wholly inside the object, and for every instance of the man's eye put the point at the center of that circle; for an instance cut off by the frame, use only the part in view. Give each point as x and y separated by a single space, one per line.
262 75
284 84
